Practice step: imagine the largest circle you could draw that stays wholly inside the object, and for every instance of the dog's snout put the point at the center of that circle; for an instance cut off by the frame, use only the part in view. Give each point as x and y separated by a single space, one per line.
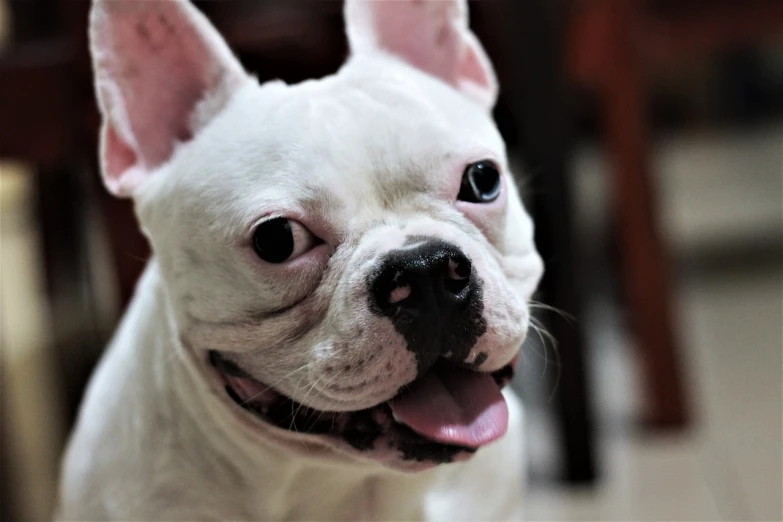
429 291
429 281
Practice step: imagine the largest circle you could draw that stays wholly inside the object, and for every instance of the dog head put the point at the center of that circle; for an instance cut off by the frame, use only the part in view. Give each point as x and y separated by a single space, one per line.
348 258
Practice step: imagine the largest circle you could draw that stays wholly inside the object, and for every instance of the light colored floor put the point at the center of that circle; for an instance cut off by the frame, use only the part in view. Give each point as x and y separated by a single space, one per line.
722 200
719 193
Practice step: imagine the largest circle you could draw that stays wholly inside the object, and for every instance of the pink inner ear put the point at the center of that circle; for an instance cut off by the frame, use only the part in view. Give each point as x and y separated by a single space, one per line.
472 68
423 33
431 35
118 158
161 67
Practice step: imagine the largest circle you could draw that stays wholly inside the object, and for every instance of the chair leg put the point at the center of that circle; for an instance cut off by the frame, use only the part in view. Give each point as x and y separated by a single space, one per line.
540 98
644 260
560 289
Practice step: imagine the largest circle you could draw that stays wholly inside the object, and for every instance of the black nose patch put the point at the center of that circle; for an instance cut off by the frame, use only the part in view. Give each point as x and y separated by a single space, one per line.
433 297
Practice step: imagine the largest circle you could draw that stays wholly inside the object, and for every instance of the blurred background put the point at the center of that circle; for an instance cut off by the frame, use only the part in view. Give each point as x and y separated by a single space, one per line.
648 141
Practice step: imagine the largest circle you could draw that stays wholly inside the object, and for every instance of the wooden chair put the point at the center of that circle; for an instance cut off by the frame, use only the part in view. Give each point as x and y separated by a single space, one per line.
615 47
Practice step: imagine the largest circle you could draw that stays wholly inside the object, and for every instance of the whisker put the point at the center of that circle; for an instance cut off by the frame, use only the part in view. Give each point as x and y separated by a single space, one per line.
542 330
278 381
536 305
537 329
312 387
543 333
301 403
296 391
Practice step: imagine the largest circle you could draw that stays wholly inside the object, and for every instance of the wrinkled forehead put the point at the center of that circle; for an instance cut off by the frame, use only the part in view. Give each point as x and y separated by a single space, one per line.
373 135
384 113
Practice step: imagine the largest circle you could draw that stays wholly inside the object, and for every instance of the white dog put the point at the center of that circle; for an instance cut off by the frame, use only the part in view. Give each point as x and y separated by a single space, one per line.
340 281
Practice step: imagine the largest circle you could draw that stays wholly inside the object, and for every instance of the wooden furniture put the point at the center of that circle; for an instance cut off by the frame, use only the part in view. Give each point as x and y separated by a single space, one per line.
615 47
545 115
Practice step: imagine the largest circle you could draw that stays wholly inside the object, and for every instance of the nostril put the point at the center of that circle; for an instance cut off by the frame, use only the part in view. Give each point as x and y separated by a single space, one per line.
457 275
459 268
399 293
399 288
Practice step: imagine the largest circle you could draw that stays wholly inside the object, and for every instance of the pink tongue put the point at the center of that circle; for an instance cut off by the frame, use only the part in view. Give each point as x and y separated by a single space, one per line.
454 406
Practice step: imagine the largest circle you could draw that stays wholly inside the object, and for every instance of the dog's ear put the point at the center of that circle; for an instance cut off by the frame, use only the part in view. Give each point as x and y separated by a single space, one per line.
432 35
161 73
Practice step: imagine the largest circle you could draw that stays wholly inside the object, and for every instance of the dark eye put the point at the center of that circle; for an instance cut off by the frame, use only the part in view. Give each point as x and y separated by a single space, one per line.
480 183
279 239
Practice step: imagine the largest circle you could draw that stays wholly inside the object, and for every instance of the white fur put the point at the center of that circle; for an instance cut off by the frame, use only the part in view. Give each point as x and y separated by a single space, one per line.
364 159
156 443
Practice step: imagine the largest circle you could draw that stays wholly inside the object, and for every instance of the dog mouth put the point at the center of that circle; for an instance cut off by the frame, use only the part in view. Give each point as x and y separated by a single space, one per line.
444 415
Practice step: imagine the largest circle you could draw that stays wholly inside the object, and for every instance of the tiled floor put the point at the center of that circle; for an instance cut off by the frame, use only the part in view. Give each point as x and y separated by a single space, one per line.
721 199
722 205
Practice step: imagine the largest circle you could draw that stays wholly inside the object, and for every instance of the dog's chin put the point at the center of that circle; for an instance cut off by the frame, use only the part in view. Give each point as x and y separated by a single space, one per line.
376 433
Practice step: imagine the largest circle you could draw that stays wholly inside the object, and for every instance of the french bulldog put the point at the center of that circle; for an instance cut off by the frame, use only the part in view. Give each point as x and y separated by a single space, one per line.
339 287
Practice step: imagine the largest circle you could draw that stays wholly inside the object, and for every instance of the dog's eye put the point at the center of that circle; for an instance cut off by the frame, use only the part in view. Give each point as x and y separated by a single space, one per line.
280 239
480 183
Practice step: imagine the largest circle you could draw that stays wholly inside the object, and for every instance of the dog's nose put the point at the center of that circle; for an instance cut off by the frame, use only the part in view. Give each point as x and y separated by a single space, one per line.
433 297
429 282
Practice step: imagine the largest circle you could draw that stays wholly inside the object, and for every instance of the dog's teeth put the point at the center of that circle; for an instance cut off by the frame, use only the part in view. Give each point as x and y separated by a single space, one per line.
396 419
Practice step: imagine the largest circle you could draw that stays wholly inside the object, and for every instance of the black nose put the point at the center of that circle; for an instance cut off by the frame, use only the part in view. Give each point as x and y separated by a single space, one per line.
433 298
428 282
